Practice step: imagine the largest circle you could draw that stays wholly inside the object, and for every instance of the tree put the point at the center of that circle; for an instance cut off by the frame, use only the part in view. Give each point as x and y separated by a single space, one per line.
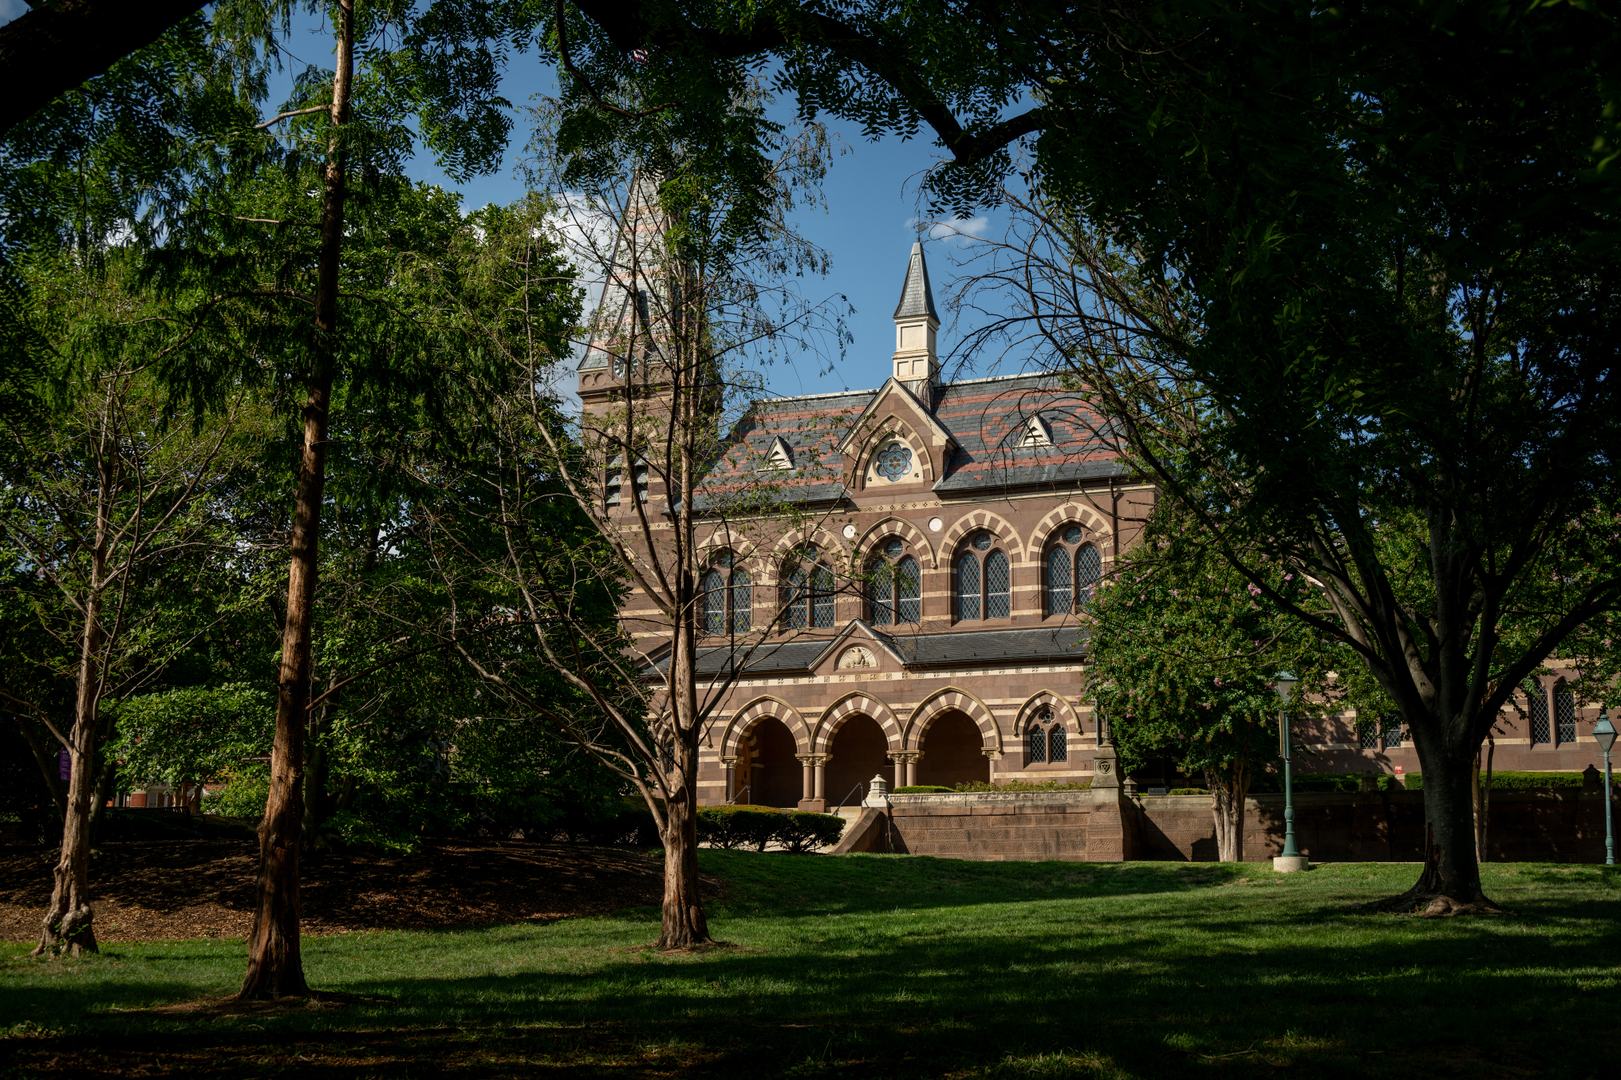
1185 654
696 258
115 494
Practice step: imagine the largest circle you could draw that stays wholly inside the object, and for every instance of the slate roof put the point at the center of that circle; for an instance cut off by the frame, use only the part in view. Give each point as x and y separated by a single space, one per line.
986 419
917 298
916 650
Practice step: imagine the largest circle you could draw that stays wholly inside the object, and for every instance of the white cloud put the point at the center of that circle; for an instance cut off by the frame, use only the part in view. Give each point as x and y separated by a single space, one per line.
12 9
960 231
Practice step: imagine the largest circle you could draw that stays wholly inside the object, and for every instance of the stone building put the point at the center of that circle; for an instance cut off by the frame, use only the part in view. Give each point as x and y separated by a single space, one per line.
909 599
915 604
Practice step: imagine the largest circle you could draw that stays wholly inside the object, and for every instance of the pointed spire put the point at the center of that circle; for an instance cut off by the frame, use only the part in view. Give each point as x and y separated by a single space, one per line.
917 298
917 366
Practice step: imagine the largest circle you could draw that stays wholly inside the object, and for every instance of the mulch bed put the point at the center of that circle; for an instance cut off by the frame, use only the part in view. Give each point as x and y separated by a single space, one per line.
197 888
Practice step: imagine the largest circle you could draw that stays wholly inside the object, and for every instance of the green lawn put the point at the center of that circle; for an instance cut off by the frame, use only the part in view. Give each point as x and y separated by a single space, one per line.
881 966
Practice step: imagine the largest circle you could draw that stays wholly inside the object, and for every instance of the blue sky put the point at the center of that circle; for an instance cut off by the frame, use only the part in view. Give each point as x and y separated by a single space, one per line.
867 227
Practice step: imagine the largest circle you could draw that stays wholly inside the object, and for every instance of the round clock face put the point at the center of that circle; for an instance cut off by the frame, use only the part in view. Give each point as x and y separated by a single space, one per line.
616 367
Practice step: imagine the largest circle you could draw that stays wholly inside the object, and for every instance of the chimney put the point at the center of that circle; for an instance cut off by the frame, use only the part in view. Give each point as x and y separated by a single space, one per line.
917 364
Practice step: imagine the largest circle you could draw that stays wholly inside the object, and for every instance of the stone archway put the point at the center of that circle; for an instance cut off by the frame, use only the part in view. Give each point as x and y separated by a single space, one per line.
858 752
953 752
767 772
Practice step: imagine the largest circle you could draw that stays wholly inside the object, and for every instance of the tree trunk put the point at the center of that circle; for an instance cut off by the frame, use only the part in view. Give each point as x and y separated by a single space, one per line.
1228 793
275 965
1450 881
684 925
67 925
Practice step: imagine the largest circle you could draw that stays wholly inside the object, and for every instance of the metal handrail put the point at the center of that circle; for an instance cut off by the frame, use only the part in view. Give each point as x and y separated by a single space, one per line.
861 786
733 800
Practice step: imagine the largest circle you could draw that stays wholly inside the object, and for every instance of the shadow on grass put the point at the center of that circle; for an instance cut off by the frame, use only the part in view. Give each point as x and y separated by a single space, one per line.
1013 970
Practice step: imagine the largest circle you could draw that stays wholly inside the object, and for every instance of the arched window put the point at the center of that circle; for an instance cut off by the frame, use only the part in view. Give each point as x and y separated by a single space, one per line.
727 597
807 591
980 580
1564 712
1536 713
894 585
1045 738
1072 569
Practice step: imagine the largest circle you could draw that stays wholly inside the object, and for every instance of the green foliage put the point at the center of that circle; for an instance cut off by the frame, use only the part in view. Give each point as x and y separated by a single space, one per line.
190 735
754 827
922 789
1025 785
1186 653
241 795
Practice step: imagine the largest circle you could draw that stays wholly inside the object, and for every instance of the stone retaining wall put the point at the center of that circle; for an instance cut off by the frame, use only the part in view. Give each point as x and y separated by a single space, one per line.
1556 826
996 825
1092 826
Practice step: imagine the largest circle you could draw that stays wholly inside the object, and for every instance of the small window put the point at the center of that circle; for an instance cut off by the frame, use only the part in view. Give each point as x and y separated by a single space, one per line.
1045 738
1073 567
980 586
1391 733
614 482
894 586
1536 712
1564 711
807 592
1367 734
726 597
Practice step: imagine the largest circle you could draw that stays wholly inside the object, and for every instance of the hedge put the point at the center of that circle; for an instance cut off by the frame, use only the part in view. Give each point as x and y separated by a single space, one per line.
756 826
1351 782
924 789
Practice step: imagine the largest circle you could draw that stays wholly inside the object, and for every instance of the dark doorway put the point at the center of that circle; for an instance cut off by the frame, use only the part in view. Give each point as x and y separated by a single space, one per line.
859 752
953 752
767 772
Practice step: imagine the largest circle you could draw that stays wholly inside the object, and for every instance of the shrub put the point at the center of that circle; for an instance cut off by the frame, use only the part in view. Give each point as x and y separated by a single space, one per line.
738 826
923 789
756 826
1188 791
803 831
1027 785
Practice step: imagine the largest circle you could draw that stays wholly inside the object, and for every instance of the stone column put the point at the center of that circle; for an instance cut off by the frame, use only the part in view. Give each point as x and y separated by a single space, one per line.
992 755
898 760
819 777
911 767
807 778
731 777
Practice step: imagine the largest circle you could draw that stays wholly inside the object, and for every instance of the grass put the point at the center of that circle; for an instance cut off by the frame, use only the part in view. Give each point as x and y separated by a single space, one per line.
885 966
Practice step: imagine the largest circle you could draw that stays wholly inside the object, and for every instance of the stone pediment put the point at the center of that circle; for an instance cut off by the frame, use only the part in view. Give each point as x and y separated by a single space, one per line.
857 650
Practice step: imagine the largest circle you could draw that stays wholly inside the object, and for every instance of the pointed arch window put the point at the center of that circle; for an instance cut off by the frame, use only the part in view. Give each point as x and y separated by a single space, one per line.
726 593
1046 741
980 579
1536 713
807 591
1071 570
894 585
1564 712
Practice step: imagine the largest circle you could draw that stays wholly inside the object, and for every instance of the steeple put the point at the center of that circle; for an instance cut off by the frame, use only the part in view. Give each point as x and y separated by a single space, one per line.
917 365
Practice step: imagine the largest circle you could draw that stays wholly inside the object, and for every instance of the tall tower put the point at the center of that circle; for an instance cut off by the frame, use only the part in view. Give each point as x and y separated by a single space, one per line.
624 380
623 325
917 363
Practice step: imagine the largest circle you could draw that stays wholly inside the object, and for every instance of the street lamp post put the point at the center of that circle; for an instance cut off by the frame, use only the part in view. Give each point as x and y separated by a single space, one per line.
1604 735
1290 860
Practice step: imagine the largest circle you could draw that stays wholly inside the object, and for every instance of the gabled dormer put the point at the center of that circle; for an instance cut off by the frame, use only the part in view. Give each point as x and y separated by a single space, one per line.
917 359
896 440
